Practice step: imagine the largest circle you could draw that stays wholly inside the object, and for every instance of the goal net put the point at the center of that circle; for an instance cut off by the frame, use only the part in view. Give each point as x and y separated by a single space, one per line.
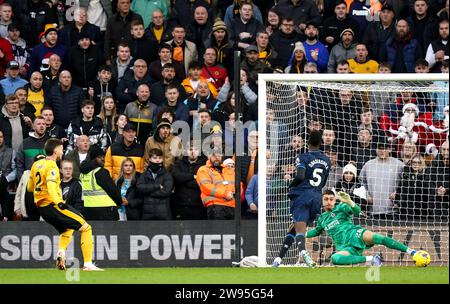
387 138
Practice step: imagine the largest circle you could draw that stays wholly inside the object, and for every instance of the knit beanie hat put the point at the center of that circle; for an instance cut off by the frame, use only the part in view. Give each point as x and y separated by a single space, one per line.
350 168
299 46
219 25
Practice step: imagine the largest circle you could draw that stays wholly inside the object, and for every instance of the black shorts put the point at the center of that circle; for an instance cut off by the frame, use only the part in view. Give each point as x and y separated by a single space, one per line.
62 219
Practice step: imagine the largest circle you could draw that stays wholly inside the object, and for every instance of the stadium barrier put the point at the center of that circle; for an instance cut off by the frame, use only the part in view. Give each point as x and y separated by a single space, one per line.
131 244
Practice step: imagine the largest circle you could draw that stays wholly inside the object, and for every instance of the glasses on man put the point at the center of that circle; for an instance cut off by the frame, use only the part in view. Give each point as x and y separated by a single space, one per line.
287 25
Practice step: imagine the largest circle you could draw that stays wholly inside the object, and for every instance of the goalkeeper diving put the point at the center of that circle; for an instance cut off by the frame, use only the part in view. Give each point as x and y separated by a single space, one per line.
350 240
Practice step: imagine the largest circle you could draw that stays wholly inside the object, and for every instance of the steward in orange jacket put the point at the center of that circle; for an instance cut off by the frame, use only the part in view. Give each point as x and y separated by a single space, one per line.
217 187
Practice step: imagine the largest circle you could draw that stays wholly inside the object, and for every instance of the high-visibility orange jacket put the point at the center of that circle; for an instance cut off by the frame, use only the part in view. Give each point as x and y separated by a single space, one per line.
214 185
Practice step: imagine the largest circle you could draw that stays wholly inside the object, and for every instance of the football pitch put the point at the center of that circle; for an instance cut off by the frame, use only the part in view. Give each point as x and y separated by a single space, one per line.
283 275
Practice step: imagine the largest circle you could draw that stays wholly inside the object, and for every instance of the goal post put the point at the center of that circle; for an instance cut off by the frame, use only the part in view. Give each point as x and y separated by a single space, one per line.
289 105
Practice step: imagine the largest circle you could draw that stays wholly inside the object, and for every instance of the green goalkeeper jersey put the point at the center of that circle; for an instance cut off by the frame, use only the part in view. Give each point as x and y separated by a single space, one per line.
339 225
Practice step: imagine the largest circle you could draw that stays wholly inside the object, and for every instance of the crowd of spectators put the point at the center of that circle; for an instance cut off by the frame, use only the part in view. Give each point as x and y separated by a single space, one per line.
113 79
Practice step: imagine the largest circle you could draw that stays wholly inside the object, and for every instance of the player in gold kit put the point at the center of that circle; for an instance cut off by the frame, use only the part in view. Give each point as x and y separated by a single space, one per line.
45 182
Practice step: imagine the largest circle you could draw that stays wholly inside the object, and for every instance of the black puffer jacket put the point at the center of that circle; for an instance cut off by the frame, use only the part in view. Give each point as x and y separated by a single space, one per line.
66 105
187 191
135 200
156 205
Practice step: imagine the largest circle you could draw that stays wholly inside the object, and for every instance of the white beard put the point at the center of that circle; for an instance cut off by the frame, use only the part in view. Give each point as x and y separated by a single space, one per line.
408 120
446 121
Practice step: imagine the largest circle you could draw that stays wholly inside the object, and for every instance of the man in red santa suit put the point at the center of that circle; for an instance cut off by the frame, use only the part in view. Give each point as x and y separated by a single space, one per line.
412 126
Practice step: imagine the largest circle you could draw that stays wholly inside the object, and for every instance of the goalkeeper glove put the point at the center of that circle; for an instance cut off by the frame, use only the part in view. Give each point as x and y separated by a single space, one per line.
345 198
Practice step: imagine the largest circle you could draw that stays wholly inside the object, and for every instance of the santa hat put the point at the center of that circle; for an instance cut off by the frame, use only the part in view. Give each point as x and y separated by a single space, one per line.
350 168
410 106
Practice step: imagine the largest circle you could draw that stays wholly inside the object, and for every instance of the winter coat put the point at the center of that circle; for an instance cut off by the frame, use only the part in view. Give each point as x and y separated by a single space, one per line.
412 193
305 11
187 192
284 45
411 52
69 35
155 69
375 38
333 27
135 200
339 53
190 53
166 35
350 187
142 116
170 147
43 51
144 48
72 193
66 105
97 134
84 64
252 27
438 174
156 192
118 30
158 92
183 10
117 153
127 87
199 35
6 128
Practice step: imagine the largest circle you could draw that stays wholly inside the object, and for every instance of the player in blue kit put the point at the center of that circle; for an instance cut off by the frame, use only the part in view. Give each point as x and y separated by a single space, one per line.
305 193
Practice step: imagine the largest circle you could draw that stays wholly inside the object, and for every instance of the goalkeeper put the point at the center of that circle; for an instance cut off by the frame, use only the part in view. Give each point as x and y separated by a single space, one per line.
350 240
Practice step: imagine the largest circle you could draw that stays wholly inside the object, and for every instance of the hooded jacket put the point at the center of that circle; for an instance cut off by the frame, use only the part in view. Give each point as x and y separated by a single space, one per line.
171 148
187 191
156 191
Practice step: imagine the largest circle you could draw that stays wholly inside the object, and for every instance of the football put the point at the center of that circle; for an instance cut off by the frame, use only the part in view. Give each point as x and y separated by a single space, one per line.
422 258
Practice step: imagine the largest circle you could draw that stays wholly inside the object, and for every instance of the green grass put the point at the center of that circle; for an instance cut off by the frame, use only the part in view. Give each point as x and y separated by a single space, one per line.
357 275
